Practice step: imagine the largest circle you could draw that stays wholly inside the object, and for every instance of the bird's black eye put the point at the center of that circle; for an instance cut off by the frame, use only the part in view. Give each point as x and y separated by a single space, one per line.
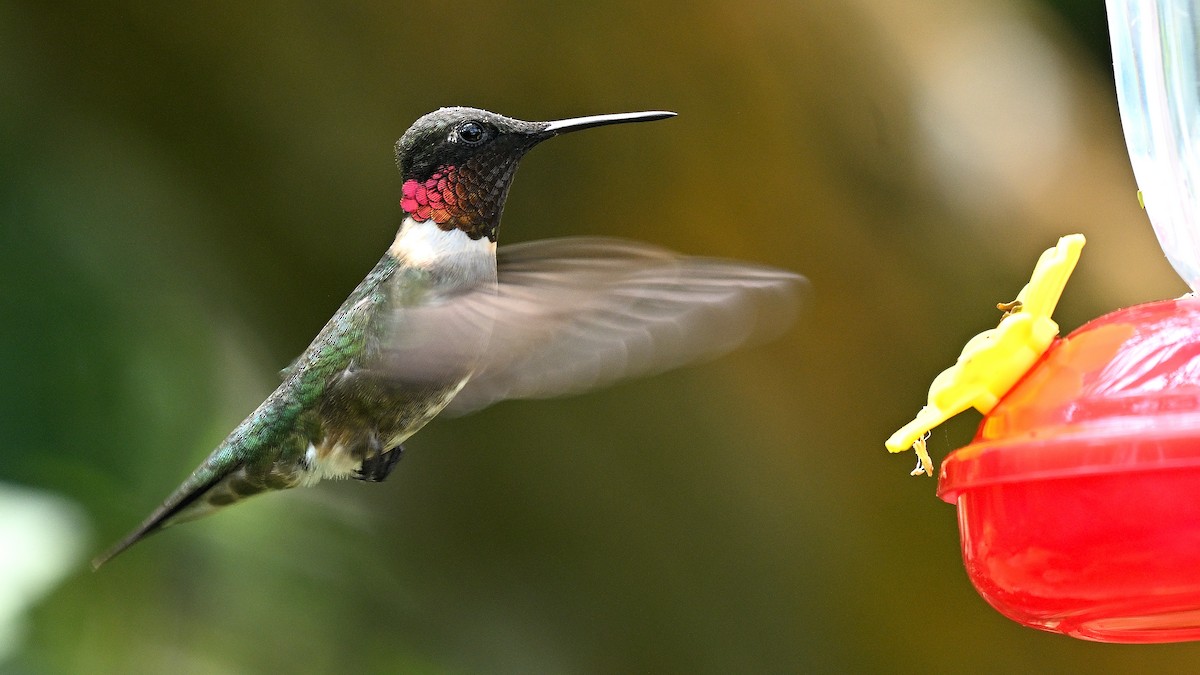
471 133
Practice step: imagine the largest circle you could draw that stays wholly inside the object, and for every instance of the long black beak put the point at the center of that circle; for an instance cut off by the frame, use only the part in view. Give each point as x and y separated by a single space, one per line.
577 123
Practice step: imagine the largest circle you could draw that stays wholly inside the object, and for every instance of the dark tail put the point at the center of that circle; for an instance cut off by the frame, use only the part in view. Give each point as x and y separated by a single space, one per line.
186 495
226 477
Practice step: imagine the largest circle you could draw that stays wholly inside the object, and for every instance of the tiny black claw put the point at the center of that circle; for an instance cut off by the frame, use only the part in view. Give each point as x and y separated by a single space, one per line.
378 467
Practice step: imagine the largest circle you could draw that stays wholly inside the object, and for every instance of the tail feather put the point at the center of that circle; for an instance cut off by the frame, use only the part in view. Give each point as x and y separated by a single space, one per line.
186 495
247 462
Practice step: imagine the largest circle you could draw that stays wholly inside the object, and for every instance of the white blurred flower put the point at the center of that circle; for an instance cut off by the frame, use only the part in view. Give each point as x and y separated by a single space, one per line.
41 539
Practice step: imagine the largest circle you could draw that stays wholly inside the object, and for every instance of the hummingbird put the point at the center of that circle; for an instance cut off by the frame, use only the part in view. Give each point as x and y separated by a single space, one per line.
445 322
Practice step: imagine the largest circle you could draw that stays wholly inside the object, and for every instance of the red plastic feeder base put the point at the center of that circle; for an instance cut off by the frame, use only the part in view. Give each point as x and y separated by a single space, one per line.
1079 499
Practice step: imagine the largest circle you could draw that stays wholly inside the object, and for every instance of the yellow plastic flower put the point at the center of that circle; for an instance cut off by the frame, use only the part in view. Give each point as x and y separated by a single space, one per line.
993 361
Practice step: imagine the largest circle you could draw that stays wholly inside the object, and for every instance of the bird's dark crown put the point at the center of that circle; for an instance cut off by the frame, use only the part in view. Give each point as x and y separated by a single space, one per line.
437 139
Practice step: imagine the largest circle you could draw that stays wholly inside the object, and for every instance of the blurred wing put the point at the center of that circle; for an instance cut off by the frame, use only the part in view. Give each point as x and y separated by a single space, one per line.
432 339
577 313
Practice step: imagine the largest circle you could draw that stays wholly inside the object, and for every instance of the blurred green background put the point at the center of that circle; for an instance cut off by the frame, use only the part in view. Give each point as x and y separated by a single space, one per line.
190 190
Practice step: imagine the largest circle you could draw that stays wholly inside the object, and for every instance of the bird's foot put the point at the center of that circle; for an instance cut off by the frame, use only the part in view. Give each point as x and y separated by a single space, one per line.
377 467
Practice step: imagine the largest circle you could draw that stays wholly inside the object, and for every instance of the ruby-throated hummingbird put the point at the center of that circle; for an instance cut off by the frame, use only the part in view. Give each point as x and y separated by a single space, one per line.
443 320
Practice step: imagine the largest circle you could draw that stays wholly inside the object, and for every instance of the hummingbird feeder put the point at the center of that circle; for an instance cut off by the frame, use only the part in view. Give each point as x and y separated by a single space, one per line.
1079 497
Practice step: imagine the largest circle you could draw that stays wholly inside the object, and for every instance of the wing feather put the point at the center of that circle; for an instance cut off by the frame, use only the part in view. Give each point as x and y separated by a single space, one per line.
573 314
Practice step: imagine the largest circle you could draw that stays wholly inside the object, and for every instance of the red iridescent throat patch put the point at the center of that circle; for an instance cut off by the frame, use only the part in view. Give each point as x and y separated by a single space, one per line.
433 198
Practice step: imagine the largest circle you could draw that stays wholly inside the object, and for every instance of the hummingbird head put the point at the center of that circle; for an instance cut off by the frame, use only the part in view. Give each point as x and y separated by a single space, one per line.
458 163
